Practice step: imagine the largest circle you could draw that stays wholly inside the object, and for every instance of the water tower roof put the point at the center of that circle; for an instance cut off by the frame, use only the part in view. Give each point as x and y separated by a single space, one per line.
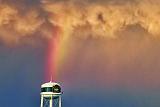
49 84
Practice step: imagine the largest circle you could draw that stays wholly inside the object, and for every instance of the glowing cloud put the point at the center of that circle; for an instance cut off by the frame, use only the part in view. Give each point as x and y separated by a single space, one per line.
106 19
76 18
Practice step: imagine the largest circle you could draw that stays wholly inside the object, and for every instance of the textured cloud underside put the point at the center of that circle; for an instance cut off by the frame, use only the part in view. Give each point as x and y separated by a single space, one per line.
25 19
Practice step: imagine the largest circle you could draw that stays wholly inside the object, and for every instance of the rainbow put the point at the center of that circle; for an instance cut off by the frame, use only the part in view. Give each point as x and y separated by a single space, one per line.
52 55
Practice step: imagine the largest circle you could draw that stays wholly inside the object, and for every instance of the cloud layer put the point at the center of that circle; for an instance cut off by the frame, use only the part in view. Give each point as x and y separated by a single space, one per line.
26 20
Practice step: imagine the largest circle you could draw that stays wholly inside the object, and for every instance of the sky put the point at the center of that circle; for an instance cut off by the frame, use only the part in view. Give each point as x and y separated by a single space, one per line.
104 53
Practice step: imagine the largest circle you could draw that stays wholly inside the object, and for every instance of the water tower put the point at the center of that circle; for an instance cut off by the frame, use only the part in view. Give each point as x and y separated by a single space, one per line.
50 95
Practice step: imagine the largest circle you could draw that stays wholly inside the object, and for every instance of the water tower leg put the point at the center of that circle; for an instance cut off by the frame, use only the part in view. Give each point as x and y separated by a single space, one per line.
41 100
60 101
51 101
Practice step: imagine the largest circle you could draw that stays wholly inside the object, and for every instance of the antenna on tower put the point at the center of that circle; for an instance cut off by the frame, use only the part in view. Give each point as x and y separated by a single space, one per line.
51 78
